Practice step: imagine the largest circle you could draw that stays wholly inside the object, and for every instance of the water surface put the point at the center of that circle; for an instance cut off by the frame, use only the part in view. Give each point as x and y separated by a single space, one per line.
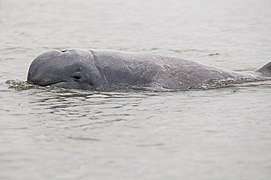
214 134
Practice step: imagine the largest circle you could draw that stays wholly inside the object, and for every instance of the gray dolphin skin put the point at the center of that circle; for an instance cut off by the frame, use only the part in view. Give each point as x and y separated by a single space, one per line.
108 69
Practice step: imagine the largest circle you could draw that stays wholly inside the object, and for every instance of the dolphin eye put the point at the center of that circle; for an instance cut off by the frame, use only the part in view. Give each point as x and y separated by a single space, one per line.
76 77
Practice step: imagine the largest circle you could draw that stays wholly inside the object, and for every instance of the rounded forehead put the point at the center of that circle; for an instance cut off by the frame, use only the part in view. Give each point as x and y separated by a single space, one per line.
67 52
64 56
60 60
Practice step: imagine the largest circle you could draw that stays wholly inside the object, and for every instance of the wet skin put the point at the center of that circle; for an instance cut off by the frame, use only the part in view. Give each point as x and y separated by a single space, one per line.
100 69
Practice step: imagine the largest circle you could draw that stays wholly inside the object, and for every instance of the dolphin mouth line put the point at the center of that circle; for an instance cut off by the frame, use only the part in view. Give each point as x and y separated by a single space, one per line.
47 84
55 83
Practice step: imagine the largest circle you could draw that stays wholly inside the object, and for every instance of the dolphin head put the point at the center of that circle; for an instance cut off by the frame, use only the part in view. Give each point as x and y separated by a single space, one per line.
71 69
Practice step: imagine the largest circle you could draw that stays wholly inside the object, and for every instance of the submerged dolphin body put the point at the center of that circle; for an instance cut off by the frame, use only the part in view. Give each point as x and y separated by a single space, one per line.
105 69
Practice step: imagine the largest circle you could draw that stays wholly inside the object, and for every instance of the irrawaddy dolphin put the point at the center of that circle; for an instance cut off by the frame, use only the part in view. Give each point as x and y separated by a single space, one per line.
108 69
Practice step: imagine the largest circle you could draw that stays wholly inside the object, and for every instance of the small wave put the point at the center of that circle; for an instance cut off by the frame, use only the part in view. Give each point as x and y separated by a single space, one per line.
216 84
105 92
188 50
21 85
214 54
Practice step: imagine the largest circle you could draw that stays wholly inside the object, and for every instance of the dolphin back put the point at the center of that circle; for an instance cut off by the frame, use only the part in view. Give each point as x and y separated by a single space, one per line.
266 70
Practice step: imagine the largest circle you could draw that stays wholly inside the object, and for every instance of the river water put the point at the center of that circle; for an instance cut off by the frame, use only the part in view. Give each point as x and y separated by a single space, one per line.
212 134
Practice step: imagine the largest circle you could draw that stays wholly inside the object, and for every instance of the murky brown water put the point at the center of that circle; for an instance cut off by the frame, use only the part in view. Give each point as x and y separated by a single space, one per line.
214 134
